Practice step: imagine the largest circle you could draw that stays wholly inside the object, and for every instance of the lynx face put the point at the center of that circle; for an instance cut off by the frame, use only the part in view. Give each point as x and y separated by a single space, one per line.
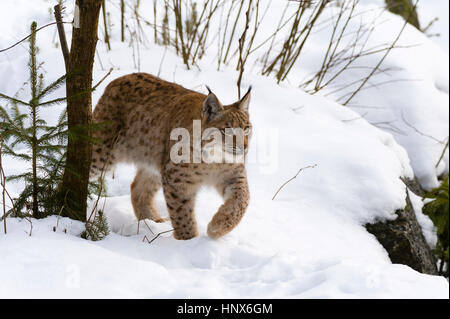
233 123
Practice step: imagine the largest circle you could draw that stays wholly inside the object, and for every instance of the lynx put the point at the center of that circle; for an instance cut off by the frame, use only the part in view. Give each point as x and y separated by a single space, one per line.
137 114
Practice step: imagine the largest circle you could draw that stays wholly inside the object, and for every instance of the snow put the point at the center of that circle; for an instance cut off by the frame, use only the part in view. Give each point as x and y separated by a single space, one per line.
310 242
409 99
429 10
427 225
66 266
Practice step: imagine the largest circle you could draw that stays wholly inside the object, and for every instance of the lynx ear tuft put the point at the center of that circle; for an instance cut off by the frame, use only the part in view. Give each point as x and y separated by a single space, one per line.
211 107
244 103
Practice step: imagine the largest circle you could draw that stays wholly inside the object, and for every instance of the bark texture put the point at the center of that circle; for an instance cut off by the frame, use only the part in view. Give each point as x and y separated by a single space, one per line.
74 190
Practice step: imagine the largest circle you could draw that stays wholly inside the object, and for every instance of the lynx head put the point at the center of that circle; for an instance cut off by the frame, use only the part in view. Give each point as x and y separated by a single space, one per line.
232 121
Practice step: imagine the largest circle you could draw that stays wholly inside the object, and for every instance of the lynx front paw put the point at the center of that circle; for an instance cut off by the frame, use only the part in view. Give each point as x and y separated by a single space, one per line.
212 232
217 229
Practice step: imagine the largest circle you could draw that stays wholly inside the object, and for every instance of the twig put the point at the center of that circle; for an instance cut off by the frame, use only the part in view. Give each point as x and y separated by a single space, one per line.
4 190
419 132
156 237
105 21
241 63
290 180
356 118
28 219
26 38
388 125
103 79
443 154
99 60
145 222
61 210
233 32
375 69
162 61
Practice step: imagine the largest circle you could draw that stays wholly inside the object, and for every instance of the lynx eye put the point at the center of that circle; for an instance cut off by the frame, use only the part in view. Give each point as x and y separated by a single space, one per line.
247 130
227 131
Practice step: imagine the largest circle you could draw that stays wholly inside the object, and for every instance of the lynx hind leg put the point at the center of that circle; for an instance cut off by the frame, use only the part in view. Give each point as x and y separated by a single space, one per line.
105 133
102 160
143 190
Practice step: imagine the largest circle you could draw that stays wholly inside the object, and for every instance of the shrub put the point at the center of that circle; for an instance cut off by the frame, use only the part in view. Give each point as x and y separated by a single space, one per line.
437 210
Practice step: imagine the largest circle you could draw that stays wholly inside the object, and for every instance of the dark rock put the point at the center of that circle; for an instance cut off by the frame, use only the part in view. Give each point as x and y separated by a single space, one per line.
404 241
414 186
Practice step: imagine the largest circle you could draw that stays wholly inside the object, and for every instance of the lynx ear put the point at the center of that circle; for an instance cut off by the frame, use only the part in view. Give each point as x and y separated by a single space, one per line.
211 107
244 103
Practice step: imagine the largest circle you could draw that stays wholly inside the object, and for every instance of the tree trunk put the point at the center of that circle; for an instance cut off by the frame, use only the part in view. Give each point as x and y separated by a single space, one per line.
35 208
33 105
74 189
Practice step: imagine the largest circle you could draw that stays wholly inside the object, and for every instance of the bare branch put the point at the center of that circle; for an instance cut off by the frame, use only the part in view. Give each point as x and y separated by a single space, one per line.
419 132
26 38
443 153
156 237
62 35
375 69
103 79
290 180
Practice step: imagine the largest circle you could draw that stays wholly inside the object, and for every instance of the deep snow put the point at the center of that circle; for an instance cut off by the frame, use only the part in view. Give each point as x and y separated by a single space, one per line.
307 243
